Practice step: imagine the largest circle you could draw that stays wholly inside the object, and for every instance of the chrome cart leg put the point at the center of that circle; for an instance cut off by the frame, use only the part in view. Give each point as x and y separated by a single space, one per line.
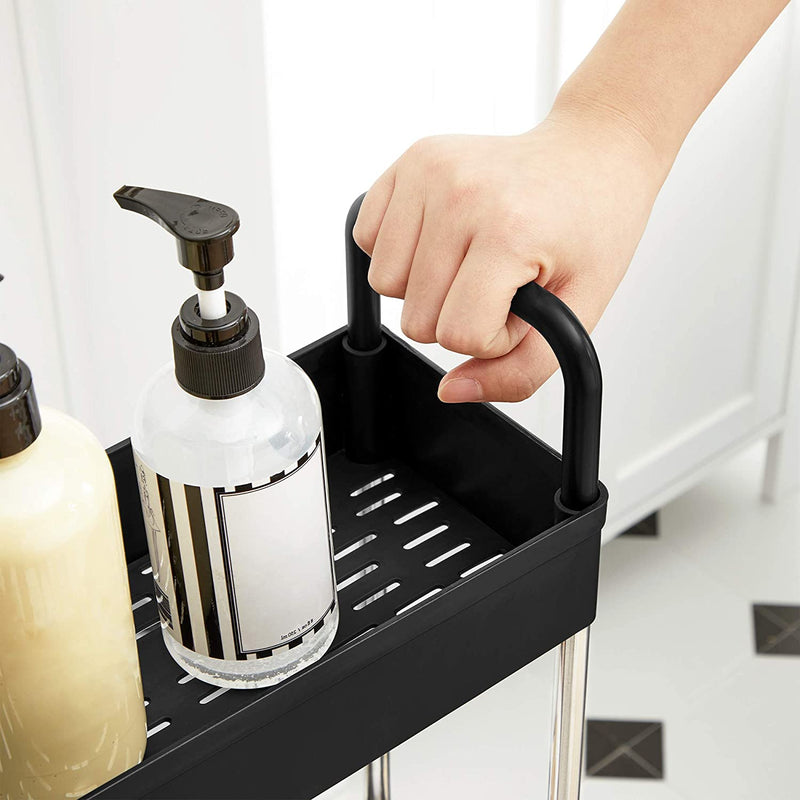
377 774
566 761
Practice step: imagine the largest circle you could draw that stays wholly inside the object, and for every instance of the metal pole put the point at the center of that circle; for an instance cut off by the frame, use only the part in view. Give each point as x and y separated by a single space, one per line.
377 774
566 761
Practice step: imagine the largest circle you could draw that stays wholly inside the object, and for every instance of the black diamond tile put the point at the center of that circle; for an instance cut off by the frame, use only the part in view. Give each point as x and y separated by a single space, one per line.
644 527
777 629
623 749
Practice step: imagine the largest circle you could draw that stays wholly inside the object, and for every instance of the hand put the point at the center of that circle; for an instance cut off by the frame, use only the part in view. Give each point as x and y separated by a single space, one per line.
458 223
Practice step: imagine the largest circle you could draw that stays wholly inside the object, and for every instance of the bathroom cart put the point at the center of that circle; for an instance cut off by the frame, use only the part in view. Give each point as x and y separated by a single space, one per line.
510 572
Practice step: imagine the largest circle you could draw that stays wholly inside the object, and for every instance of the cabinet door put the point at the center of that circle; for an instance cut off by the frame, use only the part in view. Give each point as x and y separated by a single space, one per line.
695 344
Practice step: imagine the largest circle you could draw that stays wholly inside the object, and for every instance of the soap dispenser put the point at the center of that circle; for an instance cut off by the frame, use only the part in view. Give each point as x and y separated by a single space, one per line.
230 461
72 714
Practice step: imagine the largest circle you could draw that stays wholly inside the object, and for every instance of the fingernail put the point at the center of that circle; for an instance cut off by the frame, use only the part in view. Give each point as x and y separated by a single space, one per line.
461 390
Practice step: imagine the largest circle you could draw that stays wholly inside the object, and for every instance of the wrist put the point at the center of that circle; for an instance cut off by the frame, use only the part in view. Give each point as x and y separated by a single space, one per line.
614 127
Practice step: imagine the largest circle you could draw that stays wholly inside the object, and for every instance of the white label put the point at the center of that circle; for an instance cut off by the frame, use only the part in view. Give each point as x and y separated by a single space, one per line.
242 571
279 556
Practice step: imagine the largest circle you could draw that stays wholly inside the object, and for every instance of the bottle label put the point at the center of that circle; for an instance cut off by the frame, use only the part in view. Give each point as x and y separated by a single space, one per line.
242 572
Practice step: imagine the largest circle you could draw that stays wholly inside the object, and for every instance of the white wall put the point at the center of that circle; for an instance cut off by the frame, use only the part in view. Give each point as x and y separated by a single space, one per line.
350 87
27 310
169 95
287 111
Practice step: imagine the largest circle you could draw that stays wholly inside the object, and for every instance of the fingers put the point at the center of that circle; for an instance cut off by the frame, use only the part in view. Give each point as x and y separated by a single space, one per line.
474 317
373 208
396 240
456 292
440 251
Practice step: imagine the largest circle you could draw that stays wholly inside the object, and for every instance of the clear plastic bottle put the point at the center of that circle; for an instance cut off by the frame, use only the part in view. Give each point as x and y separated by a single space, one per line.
72 714
229 443
231 468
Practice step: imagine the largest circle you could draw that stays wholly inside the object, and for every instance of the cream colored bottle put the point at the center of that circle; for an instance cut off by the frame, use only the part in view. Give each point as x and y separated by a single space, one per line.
71 708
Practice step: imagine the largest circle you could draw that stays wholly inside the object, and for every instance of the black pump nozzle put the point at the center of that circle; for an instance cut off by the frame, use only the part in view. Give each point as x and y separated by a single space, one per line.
203 229
216 338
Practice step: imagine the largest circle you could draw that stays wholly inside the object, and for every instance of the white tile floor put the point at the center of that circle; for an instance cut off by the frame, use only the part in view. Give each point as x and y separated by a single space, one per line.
674 642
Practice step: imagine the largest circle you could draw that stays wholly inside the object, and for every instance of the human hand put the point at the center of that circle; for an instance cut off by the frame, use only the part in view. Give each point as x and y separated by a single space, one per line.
458 223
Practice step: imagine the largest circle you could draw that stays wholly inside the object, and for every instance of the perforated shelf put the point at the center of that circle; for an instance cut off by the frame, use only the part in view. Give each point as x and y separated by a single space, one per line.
398 540
451 573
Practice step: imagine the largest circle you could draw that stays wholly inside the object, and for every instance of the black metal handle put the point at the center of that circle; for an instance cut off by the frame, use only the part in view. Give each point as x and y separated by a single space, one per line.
583 390
363 303
583 383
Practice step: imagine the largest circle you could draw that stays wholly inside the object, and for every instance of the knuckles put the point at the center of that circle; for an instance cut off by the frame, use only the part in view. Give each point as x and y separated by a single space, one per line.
440 160
384 284
467 183
519 394
428 151
464 192
417 329
364 234
463 339
516 386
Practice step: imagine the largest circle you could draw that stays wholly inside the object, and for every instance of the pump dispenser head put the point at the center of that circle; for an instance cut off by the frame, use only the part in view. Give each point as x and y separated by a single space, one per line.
203 230
216 338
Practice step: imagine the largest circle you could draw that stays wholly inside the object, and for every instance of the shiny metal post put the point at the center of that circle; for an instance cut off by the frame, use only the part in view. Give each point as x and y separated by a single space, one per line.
566 761
377 773
377 777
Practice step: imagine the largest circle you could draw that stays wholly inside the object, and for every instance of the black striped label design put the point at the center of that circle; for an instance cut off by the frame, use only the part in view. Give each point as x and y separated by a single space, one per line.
245 571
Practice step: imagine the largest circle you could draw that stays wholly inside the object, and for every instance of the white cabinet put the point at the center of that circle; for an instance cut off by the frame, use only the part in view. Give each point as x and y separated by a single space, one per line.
696 345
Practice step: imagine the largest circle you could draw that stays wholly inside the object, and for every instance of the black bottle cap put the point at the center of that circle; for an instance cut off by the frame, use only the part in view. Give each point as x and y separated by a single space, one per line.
221 358
214 358
20 422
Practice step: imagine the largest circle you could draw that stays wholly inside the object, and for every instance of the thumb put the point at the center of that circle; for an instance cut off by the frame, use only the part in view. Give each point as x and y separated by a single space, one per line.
509 378
518 374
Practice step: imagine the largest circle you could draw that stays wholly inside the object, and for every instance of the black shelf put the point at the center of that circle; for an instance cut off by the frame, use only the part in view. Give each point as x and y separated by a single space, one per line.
387 675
